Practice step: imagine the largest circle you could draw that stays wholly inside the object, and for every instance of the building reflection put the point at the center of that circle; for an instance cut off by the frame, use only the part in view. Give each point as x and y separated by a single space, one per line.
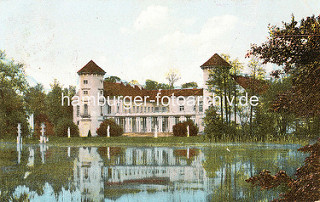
88 174
98 172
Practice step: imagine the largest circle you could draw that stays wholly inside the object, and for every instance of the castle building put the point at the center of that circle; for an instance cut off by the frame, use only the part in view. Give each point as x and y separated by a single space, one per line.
160 109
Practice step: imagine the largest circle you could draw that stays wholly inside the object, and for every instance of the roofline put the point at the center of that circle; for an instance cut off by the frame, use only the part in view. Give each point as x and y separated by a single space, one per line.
99 73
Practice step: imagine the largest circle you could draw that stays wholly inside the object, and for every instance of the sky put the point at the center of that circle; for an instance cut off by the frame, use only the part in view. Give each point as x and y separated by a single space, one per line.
136 39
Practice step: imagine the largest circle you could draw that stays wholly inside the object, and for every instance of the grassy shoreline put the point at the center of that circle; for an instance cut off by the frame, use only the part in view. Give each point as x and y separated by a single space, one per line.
141 141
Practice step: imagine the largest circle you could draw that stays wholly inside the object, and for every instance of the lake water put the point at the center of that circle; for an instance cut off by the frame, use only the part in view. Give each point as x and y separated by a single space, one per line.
216 173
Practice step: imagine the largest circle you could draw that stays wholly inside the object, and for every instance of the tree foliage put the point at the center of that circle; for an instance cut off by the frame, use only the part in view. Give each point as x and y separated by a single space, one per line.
13 86
154 85
151 85
61 129
189 85
35 98
115 129
134 82
221 83
305 187
172 76
112 79
295 46
180 129
55 109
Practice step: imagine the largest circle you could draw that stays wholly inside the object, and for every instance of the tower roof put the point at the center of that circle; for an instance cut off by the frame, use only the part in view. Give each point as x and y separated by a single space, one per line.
215 61
91 68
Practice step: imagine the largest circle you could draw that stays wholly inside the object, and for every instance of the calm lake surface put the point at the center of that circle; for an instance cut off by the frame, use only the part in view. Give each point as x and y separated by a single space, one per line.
42 173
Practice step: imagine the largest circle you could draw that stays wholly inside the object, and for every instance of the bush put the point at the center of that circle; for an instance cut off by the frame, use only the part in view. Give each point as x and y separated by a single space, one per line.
180 129
115 129
61 129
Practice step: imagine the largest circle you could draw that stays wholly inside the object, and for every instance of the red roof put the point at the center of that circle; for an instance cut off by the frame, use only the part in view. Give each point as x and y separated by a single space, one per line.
215 61
91 68
256 85
121 89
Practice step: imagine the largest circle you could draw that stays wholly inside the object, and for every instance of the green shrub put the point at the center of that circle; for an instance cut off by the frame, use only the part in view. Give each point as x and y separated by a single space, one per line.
180 129
61 129
115 129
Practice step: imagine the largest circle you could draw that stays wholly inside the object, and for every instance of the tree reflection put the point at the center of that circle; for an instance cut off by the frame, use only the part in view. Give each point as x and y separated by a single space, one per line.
229 169
57 171
215 173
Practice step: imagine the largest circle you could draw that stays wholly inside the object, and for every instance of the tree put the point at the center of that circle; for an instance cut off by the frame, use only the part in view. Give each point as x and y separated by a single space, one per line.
56 110
305 187
35 98
189 85
296 47
112 79
62 126
256 72
213 124
134 82
222 83
13 86
115 129
151 85
172 76
163 86
180 129
233 88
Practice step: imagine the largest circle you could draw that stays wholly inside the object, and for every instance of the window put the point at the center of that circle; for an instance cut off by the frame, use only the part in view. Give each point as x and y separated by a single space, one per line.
201 106
133 109
138 109
101 111
181 108
78 110
152 109
85 81
101 92
148 109
85 111
177 120
85 92
164 109
145 109
156 109
108 109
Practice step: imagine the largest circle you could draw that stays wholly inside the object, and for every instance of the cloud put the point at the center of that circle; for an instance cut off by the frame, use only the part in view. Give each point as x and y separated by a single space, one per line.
213 30
152 17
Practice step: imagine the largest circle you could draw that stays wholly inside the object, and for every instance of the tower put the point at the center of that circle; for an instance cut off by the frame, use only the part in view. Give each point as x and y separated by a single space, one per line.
214 62
91 86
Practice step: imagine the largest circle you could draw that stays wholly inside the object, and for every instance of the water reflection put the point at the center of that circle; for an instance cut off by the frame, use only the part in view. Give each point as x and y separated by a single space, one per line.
140 173
110 172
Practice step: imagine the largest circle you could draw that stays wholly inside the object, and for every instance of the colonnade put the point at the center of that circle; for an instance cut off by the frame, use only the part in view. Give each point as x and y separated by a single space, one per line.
147 124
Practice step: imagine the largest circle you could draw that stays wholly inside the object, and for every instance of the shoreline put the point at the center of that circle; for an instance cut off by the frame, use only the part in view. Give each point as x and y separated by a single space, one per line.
196 141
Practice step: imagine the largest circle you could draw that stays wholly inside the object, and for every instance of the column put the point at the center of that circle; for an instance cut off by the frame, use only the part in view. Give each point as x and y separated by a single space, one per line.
130 124
182 118
193 119
171 123
160 123
126 123
138 124
149 124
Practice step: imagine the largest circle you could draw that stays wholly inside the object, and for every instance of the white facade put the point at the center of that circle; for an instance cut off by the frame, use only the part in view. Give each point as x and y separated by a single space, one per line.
87 115
136 119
